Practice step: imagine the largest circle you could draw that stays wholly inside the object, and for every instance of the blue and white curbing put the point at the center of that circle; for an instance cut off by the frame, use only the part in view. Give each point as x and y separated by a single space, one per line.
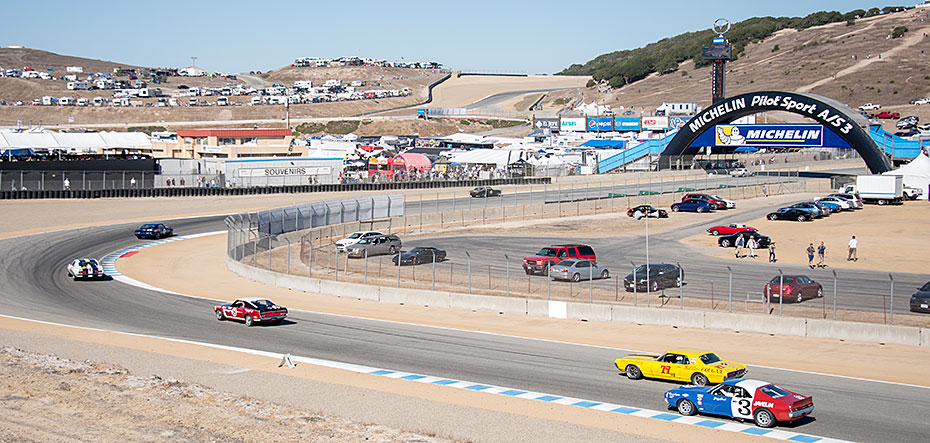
109 266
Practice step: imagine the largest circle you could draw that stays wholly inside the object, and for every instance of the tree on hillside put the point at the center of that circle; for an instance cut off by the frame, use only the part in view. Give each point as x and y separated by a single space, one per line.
898 31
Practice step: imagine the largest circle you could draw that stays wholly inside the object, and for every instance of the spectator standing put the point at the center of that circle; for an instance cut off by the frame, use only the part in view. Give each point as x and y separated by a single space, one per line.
821 252
853 246
740 241
772 258
67 184
765 189
132 182
810 256
752 244
182 181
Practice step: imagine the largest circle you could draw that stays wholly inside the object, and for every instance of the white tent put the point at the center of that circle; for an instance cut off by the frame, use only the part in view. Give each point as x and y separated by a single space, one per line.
916 174
499 157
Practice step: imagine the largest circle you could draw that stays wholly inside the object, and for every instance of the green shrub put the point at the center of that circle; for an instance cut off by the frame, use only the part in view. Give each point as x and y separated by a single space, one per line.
775 48
898 31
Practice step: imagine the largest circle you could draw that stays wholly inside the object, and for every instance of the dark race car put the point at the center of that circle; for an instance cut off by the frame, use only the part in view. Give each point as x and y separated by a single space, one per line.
762 402
485 191
154 230
647 210
251 310
694 205
729 241
420 254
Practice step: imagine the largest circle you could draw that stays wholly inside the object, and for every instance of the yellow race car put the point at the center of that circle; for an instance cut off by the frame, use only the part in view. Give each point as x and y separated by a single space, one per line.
687 365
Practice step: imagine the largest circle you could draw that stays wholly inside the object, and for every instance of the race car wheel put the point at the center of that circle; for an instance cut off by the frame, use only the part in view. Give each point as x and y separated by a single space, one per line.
699 379
764 418
819 292
605 274
156 236
725 243
700 209
248 320
576 277
715 232
633 372
674 208
773 217
219 315
685 407
802 218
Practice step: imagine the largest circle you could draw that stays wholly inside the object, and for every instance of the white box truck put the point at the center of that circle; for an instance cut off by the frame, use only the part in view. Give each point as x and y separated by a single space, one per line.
881 189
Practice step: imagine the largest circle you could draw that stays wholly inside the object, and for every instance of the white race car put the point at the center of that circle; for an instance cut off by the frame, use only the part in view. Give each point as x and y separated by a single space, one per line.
741 172
85 268
353 238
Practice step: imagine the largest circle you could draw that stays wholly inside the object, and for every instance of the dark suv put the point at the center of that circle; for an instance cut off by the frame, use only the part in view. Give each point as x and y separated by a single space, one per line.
550 255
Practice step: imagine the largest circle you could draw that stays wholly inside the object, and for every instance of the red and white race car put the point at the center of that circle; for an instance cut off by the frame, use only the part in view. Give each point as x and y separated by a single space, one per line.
251 310
731 228
762 402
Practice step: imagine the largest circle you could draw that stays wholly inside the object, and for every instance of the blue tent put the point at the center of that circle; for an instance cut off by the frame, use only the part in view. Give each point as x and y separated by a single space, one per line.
745 149
24 152
604 143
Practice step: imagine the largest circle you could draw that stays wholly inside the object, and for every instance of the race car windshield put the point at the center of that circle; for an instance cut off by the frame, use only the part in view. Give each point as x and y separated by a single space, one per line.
709 358
149 226
774 391
548 252
263 304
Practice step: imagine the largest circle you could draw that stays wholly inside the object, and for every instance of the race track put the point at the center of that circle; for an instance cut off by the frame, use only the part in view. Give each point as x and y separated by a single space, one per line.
36 286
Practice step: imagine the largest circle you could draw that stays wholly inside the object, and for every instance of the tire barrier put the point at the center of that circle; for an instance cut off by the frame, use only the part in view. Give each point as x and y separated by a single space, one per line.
282 189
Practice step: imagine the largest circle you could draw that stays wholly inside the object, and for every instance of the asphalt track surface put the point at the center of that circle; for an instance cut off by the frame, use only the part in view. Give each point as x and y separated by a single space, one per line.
35 285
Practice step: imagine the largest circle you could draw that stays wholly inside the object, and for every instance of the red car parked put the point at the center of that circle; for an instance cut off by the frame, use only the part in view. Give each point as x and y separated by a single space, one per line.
887 114
731 228
796 288
251 310
719 203
552 255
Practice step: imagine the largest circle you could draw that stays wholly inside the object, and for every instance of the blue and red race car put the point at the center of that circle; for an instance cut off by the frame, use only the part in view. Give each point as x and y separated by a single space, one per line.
762 402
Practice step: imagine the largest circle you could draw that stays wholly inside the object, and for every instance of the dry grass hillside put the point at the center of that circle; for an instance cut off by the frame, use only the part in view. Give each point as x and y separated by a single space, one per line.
869 67
374 77
19 58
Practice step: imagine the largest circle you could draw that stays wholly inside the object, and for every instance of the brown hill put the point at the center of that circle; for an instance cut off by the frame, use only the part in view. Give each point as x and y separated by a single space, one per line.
18 58
868 65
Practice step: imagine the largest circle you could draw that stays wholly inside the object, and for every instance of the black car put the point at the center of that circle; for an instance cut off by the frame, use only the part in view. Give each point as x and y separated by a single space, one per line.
817 211
485 191
647 210
154 230
920 301
791 214
661 276
420 254
729 241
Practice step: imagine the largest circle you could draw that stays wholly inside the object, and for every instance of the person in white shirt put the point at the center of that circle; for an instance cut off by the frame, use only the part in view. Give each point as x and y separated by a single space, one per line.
853 245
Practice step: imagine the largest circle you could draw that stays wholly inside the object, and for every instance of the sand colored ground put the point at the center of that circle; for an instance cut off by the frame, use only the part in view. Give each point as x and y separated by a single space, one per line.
197 267
460 91
890 238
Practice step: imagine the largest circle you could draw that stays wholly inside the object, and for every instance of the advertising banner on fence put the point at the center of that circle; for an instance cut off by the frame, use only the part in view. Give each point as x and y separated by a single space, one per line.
768 135
573 124
600 124
627 124
677 122
541 124
280 172
655 123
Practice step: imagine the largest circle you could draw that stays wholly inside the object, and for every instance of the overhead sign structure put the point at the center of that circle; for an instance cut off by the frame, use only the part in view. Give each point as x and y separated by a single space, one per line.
572 124
281 172
600 124
769 135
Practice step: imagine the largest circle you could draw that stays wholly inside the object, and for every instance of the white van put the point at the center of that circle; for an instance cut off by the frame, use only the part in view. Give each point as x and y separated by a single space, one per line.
192 101
255 101
82 101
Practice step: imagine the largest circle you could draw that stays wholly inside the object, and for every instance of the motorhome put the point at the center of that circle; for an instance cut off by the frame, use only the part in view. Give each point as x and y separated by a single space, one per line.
77 86
670 109
69 78
99 101
332 83
222 101
303 84
66 101
172 101
49 101
82 101
161 102
192 101
149 92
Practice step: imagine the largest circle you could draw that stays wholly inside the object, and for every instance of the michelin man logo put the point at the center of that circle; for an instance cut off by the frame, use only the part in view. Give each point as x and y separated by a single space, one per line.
729 136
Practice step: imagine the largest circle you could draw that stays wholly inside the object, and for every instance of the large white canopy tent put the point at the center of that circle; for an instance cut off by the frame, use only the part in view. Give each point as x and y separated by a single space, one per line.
916 174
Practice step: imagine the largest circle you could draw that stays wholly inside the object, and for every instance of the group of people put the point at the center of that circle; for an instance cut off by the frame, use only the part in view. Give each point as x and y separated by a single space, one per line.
750 243
821 253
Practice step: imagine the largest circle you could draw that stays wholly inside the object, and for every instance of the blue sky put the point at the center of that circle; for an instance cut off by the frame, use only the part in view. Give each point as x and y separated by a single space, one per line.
234 36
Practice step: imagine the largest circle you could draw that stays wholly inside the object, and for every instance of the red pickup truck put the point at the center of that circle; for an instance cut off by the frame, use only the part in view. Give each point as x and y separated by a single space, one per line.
550 255
887 114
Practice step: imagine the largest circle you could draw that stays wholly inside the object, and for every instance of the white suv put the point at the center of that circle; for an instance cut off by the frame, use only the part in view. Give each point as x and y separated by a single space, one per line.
353 238
869 107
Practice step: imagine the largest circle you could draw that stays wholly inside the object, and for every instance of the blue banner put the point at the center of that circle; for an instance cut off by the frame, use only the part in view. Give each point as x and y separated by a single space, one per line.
600 124
627 124
780 135
677 122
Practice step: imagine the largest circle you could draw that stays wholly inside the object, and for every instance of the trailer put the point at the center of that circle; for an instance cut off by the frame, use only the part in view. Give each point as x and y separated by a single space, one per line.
881 189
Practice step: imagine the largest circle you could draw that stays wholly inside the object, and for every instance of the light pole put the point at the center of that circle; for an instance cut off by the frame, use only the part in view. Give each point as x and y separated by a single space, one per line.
891 308
648 302
681 285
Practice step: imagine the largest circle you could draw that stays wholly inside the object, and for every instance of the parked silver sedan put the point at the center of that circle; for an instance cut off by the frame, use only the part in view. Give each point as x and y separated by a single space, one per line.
577 270
377 245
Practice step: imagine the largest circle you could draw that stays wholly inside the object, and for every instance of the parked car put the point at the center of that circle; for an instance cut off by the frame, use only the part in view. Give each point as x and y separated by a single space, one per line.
887 114
817 211
85 268
921 101
729 241
731 228
694 205
729 204
353 238
661 276
701 368
794 288
251 310
719 203
741 172
800 215
827 207
485 191
420 254
154 230
870 107
911 193
577 270
647 210
841 202
551 255
854 198
762 402
377 245
920 301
